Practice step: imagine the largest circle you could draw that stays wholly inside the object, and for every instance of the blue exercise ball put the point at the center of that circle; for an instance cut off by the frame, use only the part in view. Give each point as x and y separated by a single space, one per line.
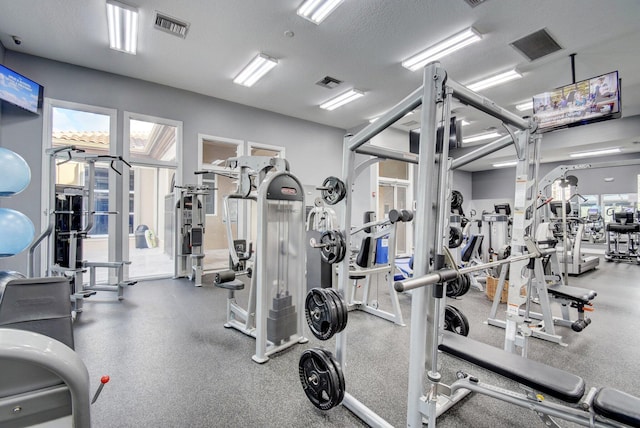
15 174
16 232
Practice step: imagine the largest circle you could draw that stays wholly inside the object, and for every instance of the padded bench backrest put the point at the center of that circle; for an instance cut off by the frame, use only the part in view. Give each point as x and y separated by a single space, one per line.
41 305
473 246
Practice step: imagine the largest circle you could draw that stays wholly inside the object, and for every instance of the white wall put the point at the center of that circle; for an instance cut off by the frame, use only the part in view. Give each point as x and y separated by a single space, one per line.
314 151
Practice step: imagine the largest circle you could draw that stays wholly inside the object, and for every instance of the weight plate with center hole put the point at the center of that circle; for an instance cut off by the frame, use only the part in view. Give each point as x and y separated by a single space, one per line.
321 377
339 372
333 190
455 321
339 309
332 246
321 313
342 306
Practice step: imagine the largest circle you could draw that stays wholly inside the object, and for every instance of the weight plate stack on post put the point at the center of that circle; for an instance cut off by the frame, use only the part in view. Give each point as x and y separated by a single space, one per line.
343 310
324 316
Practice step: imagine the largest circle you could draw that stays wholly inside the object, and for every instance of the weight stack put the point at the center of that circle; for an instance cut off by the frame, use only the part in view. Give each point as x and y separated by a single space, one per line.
281 322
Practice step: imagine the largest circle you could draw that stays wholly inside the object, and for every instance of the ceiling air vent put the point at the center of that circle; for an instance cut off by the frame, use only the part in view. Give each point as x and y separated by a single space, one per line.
474 3
536 45
410 123
328 82
171 25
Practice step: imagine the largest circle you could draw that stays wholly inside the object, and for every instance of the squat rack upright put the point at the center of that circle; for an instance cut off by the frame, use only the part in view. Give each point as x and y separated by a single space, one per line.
432 208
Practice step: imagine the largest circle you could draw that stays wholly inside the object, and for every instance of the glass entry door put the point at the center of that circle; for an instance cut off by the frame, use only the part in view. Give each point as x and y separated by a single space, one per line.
216 247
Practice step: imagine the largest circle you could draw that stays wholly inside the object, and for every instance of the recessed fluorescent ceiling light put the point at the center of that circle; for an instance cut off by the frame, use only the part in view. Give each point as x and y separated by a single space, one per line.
465 123
481 137
502 164
441 49
498 79
342 99
524 106
595 152
258 67
122 21
317 10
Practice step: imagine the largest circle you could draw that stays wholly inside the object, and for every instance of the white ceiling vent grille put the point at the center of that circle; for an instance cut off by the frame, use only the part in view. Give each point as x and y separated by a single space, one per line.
171 25
536 45
328 82
474 3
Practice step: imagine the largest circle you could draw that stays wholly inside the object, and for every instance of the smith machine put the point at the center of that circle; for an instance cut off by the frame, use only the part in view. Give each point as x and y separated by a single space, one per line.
322 375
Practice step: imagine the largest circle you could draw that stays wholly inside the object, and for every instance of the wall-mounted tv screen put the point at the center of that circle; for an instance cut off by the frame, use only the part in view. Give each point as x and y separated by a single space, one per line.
18 90
579 103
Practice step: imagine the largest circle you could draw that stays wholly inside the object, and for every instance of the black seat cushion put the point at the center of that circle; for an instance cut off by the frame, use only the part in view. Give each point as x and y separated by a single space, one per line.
543 378
234 285
623 228
583 295
362 259
617 405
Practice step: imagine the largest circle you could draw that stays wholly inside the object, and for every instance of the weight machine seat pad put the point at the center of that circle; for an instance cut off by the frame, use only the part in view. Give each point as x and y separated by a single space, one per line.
234 285
538 376
617 405
623 228
582 295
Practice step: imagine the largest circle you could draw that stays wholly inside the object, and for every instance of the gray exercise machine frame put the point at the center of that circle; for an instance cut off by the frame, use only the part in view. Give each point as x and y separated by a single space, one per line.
71 153
431 209
253 320
56 357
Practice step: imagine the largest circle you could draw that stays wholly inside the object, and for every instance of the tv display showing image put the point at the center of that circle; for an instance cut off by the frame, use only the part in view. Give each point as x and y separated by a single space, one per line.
18 90
579 103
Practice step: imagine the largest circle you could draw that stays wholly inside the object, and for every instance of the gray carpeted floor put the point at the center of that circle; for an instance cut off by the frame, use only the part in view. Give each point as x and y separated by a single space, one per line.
173 364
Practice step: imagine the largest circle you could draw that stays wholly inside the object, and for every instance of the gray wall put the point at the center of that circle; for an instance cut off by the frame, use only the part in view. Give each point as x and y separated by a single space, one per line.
314 151
500 183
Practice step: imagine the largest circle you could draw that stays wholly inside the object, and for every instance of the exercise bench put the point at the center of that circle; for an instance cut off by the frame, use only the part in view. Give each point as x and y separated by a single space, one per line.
604 407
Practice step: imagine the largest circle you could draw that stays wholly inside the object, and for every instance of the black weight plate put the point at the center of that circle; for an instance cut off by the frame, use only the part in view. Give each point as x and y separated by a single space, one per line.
455 321
339 372
342 306
343 246
320 379
456 199
334 190
455 237
453 287
339 310
467 284
331 246
321 314
464 319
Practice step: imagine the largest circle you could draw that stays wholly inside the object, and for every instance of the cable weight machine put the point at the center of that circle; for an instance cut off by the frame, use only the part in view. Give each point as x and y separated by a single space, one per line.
276 271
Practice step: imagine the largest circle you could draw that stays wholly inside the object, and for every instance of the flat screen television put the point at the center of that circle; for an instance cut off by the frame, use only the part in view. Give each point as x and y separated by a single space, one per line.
455 136
580 103
19 91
